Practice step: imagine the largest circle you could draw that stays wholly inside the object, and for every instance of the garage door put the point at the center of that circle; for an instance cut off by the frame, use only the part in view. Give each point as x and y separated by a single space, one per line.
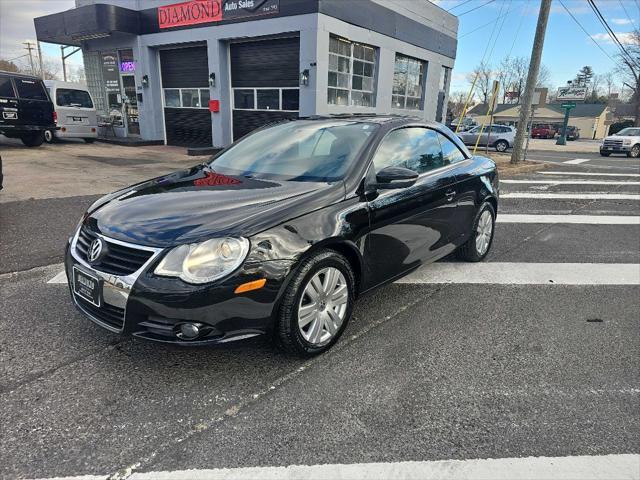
185 84
264 79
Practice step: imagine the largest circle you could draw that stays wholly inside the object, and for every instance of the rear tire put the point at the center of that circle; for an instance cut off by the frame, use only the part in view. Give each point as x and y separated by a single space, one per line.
481 239
49 137
32 139
501 146
89 140
322 313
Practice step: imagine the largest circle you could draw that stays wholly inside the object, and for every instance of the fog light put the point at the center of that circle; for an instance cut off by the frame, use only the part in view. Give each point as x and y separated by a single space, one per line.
189 331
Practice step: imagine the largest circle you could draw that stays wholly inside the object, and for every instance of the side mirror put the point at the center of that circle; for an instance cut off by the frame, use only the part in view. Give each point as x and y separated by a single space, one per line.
395 177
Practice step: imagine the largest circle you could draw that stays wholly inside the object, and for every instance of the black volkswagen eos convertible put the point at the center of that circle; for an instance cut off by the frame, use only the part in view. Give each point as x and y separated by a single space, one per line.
281 232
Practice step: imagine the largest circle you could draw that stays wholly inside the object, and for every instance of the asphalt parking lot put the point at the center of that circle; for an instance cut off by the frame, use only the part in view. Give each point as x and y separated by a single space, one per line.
533 353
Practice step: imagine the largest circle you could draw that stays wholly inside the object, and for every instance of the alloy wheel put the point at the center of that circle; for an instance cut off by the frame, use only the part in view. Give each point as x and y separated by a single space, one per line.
484 232
323 306
635 151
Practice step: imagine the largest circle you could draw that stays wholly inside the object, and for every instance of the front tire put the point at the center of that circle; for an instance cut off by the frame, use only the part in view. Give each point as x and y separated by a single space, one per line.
32 139
317 304
604 154
479 244
635 152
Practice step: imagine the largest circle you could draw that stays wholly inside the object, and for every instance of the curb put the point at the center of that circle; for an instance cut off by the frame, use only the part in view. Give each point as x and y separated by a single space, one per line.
531 167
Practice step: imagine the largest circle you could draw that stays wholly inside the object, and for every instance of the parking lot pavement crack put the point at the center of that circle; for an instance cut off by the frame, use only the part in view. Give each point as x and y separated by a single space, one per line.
519 245
28 379
234 410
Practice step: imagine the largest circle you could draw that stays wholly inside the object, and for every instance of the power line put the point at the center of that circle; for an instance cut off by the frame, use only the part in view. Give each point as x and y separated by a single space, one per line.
587 33
515 37
495 41
611 33
476 8
481 26
459 5
625 11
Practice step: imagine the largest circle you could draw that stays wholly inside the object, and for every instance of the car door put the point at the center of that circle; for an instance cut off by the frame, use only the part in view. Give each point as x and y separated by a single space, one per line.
8 104
410 225
34 106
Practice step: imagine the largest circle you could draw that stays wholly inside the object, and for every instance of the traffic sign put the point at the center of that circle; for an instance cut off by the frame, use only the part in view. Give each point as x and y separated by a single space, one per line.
568 105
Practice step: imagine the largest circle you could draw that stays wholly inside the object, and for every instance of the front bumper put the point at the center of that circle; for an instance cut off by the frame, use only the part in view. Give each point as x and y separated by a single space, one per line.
153 308
616 149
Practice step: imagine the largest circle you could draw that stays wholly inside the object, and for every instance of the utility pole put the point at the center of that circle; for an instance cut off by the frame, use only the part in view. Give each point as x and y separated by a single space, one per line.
29 47
532 78
40 61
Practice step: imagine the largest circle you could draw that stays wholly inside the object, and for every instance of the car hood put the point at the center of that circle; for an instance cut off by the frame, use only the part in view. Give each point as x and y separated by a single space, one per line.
195 204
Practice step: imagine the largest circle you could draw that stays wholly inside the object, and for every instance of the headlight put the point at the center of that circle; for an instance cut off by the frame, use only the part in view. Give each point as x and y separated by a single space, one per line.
204 262
626 141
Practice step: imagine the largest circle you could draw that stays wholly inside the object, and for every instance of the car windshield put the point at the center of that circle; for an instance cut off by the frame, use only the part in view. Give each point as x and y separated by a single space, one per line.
629 132
302 150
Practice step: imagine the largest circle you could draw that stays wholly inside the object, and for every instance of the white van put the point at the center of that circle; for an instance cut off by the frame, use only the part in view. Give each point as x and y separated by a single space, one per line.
75 113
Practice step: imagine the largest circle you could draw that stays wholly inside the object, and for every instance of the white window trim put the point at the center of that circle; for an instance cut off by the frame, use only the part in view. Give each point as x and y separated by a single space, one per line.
420 99
349 89
164 103
255 99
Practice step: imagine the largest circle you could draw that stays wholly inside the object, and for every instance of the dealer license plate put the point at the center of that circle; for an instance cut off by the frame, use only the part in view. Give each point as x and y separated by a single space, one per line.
87 286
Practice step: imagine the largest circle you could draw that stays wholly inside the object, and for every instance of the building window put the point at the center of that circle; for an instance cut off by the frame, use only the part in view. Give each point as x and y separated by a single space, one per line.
186 97
351 71
281 99
408 81
444 78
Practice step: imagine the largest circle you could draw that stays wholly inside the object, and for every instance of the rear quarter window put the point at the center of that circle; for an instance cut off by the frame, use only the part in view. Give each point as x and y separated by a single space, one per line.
30 89
6 89
69 97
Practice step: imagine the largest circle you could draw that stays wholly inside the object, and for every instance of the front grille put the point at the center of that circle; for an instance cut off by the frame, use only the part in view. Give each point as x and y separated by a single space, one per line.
118 260
108 314
613 143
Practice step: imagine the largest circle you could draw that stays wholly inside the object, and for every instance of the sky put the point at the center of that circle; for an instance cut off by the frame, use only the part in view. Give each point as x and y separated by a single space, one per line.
567 48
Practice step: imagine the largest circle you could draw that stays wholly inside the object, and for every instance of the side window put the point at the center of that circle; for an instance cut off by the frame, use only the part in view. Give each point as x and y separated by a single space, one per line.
417 149
450 151
6 90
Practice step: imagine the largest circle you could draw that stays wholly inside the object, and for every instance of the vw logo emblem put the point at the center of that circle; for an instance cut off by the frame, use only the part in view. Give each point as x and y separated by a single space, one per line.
95 250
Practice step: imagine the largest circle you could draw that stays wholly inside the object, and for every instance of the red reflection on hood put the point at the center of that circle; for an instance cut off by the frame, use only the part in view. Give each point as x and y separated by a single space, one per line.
213 179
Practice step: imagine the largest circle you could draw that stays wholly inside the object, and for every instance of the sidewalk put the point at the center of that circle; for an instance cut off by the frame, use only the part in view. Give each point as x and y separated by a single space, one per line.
574 146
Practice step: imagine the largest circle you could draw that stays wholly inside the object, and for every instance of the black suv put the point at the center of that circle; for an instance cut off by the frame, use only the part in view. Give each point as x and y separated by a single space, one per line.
26 110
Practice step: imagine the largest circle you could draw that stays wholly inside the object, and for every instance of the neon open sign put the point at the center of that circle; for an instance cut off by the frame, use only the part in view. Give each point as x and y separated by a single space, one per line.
127 66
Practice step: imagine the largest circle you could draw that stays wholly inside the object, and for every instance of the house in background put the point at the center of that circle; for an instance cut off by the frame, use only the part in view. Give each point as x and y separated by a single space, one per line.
592 119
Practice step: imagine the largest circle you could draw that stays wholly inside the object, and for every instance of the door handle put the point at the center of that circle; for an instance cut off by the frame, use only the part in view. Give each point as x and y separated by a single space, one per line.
450 194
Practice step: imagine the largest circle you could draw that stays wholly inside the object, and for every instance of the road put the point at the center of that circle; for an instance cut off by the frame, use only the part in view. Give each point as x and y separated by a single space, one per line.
533 353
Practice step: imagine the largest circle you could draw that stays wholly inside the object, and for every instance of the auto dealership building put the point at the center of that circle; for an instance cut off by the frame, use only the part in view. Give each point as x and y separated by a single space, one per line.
206 72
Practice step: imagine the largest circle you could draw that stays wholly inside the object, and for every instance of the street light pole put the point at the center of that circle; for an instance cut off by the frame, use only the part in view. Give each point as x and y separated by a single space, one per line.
532 78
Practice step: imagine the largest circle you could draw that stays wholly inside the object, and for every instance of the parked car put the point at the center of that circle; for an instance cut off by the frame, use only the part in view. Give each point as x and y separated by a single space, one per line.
75 113
573 133
626 141
281 232
26 111
543 131
502 137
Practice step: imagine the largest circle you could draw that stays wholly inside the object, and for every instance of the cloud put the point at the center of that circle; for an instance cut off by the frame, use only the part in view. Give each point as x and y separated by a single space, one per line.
16 22
621 21
624 37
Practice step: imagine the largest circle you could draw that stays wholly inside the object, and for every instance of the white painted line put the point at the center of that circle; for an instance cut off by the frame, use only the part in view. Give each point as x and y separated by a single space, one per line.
590 174
576 196
59 278
572 182
576 161
596 467
580 219
513 273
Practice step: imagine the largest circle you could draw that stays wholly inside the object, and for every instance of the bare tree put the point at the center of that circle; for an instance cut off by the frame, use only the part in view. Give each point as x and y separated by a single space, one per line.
629 70
609 81
8 66
482 74
456 103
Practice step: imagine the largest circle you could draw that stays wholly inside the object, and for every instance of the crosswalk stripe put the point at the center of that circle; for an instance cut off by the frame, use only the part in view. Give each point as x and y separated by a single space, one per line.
515 273
579 219
575 196
595 467
571 182
576 161
589 174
